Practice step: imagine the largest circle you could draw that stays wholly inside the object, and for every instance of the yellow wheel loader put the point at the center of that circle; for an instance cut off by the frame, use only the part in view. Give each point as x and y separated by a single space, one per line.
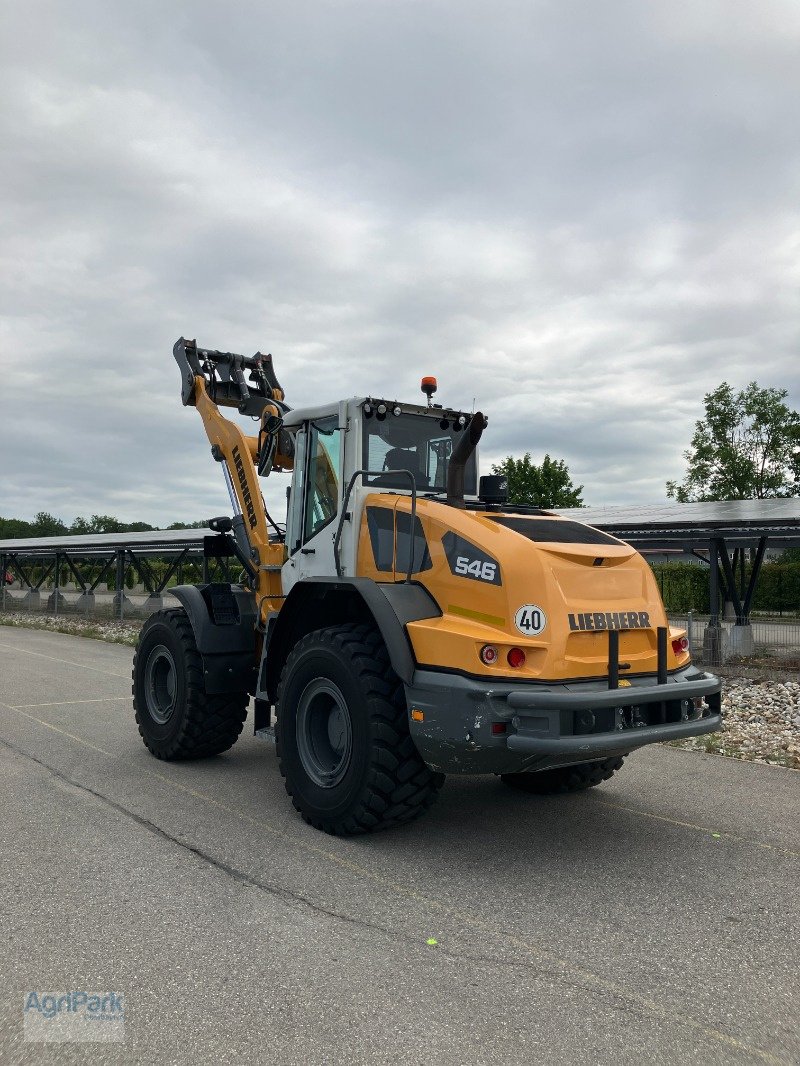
406 622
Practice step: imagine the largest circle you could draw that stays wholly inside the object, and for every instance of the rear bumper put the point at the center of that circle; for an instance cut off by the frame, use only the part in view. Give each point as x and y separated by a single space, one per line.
473 726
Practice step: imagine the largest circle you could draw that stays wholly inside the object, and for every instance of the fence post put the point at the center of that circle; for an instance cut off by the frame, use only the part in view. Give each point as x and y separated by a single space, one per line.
121 584
713 636
56 582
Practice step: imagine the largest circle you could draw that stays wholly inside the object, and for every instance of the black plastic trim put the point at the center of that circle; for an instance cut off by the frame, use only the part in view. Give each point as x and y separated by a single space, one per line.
228 651
590 699
516 679
593 745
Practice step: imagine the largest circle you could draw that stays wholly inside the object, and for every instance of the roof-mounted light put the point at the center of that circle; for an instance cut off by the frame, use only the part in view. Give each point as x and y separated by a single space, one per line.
429 386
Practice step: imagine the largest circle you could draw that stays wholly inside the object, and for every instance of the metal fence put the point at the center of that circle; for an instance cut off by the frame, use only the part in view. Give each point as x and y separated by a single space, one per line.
771 636
122 576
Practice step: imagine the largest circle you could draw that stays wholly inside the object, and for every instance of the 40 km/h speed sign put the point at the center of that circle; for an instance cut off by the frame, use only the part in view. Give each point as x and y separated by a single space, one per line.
530 620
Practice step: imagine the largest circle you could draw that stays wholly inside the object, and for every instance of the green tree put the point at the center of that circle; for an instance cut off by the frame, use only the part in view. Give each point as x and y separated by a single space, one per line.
105 523
746 447
45 525
14 528
548 485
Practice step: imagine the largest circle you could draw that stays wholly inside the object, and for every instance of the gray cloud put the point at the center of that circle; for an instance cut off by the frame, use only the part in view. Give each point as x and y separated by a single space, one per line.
581 216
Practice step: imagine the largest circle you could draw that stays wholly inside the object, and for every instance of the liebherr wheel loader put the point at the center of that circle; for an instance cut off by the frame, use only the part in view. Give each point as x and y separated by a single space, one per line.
406 623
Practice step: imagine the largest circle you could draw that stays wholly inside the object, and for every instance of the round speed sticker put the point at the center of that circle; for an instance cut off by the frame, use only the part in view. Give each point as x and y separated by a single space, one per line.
530 620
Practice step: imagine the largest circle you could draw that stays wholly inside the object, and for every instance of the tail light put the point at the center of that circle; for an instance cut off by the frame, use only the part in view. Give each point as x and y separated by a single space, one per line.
488 654
516 657
680 645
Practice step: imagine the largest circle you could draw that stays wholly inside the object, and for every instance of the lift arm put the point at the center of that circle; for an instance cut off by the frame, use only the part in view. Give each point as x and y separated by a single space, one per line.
211 380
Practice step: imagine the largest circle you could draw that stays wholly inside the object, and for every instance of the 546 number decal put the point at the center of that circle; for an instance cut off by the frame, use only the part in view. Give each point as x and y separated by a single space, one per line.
484 571
466 559
530 620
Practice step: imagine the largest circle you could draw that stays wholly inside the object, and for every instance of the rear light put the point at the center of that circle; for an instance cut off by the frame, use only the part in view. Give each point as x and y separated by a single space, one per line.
516 657
680 645
488 654
498 728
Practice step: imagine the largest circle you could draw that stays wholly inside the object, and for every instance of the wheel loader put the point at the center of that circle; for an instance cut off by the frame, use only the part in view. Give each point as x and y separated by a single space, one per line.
405 622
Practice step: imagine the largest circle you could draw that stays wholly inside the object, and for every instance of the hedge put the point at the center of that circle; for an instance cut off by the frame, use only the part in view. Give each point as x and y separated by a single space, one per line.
684 587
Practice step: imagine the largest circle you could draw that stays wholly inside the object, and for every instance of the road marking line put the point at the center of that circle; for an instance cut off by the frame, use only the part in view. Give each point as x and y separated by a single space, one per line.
67 662
700 828
67 703
63 732
568 969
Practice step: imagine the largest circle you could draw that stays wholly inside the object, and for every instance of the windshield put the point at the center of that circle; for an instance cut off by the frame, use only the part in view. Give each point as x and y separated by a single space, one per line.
422 444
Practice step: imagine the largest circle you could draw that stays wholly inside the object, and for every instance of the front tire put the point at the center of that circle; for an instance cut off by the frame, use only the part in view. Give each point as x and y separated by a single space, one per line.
343 745
565 778
177 718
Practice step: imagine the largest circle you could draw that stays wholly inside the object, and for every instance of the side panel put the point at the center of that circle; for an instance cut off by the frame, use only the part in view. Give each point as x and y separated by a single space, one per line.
543 591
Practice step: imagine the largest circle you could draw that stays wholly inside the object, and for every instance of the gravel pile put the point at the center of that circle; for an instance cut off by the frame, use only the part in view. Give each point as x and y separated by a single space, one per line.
99 628
761 715
761 722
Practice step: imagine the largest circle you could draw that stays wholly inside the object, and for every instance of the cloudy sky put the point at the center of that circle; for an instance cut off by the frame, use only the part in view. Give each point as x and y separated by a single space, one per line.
582 214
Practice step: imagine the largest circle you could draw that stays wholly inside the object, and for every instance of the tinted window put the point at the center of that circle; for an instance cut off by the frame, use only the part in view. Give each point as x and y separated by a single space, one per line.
380 523
322 496
422 444
418 544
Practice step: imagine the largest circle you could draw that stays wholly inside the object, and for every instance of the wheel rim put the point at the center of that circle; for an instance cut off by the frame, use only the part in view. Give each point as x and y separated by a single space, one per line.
160 685
324 733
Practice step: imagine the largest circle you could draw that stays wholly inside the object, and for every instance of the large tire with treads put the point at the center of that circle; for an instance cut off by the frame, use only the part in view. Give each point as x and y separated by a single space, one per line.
177 718
343 742
565 778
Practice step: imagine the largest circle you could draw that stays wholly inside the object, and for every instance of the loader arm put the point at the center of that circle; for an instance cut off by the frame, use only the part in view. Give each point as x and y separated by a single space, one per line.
214 379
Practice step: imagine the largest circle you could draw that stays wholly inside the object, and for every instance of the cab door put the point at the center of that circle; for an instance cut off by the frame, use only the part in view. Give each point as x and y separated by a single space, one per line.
315 502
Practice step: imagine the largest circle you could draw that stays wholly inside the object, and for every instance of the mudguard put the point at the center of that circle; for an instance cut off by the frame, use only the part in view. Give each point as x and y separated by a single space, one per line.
223 620
317 602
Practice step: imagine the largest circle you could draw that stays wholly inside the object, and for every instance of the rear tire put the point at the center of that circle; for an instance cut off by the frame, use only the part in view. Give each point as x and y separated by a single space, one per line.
177 718
565 778
342 738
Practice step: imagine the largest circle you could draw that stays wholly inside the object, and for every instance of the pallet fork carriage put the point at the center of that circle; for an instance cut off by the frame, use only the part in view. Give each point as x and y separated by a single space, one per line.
405 622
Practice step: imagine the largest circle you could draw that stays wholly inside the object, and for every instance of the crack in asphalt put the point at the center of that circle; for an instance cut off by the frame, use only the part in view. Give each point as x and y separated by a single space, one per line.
285 895
562 972
608 996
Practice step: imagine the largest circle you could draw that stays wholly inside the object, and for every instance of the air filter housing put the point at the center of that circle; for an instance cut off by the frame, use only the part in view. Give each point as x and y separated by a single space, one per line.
493 488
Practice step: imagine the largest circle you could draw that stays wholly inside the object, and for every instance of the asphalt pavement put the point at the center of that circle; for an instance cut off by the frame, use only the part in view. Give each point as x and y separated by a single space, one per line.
652 919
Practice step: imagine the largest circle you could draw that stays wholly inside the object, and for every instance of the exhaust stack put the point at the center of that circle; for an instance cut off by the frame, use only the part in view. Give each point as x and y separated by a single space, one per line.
458 460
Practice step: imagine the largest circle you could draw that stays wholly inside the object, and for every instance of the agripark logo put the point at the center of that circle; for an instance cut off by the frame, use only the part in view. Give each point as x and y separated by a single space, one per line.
80 1017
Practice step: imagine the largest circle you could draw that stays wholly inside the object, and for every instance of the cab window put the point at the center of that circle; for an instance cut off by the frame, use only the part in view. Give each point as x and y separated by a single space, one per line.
421 444
322 482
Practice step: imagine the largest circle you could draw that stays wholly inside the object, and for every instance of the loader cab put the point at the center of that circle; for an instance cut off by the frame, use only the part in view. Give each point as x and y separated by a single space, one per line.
385 440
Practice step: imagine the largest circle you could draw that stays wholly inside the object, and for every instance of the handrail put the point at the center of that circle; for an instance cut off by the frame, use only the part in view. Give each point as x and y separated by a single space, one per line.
346 499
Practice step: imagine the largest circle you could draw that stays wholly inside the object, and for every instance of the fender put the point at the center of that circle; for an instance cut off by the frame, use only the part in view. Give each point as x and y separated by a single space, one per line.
314 603
223 620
